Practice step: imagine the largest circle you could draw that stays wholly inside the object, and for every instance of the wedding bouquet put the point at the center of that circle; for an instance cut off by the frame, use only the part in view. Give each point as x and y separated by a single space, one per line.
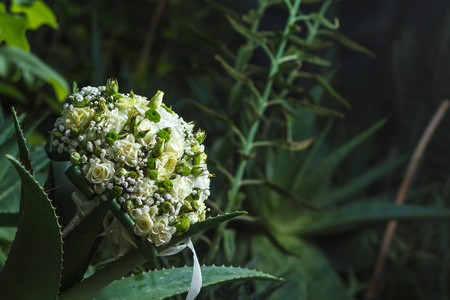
137 152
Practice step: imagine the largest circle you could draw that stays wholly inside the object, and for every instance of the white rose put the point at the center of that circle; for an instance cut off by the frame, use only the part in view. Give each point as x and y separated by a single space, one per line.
161 232
144 219
78 117
182 187
125 103
127 148
100 172
115 120
165 165
143 224
147 125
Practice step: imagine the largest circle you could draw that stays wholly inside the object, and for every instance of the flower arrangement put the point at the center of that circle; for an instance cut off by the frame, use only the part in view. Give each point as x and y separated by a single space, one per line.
138 152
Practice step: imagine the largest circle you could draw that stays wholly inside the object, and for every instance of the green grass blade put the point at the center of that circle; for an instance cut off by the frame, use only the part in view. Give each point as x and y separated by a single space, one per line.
322 81
360 214
170 282
361 182
322 171
33 267
346 41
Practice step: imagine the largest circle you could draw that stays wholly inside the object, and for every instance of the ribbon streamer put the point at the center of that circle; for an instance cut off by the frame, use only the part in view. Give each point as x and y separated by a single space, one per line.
120 242
196 281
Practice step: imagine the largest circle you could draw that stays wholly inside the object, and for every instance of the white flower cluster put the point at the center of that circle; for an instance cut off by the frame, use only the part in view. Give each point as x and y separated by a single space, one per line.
140 152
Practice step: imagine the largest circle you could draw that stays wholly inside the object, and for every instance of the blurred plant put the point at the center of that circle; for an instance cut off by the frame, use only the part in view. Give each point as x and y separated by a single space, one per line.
304 222
16 61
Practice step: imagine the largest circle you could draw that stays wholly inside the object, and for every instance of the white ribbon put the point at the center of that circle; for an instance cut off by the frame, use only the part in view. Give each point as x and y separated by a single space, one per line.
121 242
196 281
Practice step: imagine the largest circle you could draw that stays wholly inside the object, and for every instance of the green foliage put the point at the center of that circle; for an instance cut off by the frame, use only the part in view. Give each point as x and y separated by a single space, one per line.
9 181
160 284
38 230
16 61
15 58
131 260
24 16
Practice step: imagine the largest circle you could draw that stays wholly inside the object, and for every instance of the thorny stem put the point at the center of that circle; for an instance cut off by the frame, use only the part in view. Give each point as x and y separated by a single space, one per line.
261 106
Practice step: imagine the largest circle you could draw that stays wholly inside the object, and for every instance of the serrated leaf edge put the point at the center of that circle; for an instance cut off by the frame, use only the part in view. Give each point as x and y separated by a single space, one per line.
13 160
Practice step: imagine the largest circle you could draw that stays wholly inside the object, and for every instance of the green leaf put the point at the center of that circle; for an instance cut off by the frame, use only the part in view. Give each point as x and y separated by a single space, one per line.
92 285
170 282
320 19
37 14
22 143
318 110
288 145
287 193
323 170
15 58
346 41
316 44
250 35
321 280
326 86
304 57
309 275
359 214
12 29
23 153
361 182
7 235
35 258
239 77
79 245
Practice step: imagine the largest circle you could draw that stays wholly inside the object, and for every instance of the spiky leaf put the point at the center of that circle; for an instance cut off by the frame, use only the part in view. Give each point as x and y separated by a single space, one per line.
92 285
36 254
22 143
170 282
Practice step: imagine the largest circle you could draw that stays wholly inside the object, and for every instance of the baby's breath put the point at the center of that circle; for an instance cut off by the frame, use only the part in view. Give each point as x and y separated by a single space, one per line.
141 153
